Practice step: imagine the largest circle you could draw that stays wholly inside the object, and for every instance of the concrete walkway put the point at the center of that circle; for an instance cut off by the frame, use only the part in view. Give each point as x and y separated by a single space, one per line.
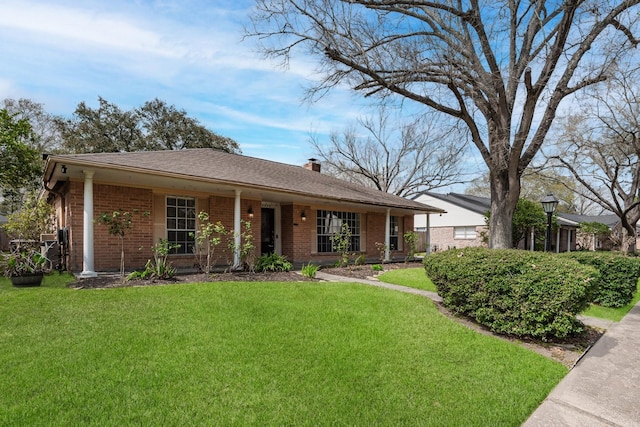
334 278
603 389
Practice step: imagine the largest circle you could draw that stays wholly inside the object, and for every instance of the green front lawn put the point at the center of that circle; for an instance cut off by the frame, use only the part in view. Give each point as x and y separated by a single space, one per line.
411 277
615 314
255 354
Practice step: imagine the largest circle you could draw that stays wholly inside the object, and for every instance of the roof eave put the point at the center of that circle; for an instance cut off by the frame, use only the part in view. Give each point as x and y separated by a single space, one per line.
52 160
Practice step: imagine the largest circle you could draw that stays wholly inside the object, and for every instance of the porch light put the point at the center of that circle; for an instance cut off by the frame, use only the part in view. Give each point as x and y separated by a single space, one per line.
63 168
303 216
549 204
250 211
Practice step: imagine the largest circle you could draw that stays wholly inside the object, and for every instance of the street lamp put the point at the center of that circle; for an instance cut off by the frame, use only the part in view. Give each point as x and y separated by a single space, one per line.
549 204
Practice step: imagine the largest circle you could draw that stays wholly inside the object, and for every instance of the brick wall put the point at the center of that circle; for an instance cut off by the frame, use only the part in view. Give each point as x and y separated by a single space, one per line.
442 238
137 241
296 233
74 220
221 209
107 247
297 237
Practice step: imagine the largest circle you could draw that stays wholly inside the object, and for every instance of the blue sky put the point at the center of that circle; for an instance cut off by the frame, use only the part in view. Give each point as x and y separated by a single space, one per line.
188 53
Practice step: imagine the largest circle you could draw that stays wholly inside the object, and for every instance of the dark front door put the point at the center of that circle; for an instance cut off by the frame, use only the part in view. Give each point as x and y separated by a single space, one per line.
268 231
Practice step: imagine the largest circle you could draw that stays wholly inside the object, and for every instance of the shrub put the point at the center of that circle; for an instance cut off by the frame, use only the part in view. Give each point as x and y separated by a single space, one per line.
273 262
309 270
341 243
160 267
207 238
382 251
411 239
514 292
377 267
618 276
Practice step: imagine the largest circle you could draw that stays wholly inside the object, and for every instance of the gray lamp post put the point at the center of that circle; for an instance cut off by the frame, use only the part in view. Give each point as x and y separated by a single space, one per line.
549 204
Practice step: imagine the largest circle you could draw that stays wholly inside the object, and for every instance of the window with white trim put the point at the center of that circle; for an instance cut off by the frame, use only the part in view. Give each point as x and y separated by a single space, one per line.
181 223
466 232
329 223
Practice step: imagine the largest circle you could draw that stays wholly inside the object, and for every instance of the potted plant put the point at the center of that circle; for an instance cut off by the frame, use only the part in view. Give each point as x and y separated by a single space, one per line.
25 265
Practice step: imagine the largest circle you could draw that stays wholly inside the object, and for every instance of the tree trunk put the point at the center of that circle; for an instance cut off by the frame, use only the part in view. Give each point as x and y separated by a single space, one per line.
121 256
627 237
505 191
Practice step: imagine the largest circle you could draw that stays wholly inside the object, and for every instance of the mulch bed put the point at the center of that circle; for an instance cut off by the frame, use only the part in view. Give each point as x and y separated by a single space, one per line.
567 351
355 271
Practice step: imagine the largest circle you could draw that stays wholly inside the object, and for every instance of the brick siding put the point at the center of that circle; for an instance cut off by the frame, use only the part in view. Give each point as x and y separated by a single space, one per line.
297 237
442 238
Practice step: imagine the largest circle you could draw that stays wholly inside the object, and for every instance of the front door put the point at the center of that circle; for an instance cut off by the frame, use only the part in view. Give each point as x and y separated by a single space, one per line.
268 231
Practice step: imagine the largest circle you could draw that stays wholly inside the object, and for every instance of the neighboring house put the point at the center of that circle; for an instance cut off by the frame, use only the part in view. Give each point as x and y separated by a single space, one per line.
4 239
463 224
293 210
594 242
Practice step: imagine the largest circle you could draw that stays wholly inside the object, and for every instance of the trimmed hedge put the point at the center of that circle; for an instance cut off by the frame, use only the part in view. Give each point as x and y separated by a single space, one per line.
618 275
514 292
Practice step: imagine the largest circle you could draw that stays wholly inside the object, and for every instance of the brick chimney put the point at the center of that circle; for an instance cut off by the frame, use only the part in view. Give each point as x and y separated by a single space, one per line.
313 165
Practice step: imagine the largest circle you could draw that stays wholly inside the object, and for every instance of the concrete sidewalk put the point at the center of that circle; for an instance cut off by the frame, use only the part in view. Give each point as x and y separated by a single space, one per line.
603 389
334 278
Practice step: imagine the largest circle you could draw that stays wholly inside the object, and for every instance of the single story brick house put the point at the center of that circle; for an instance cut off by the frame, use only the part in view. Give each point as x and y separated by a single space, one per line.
293 210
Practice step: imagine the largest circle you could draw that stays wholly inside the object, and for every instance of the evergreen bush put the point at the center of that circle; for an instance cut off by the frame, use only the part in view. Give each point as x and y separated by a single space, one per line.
618 275
514 292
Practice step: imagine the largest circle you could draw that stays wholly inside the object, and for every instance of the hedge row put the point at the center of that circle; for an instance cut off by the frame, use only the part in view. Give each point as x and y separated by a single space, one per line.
514 292
618 276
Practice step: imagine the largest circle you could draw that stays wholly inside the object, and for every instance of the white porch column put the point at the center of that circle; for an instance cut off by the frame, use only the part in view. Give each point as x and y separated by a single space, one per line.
568 240
428 248
87 228
387 240
237 231
558 241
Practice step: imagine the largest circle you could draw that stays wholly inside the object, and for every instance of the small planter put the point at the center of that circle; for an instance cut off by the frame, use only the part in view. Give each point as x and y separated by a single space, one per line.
27 280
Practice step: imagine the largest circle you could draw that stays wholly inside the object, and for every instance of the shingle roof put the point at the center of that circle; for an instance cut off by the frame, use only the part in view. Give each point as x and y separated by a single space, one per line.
482 204
222 167
473 203
609 220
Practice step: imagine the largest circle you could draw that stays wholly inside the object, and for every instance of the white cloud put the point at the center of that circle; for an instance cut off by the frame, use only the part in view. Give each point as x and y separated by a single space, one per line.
71 28
188 53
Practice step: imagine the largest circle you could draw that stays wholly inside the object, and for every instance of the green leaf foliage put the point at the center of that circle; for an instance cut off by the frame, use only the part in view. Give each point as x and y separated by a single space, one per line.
273 262
20 165
618 275
512 292
527 214
594 228
153 126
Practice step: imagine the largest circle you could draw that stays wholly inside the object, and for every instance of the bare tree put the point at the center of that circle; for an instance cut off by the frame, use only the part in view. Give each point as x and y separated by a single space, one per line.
537 182
403 158
502 67
600 146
